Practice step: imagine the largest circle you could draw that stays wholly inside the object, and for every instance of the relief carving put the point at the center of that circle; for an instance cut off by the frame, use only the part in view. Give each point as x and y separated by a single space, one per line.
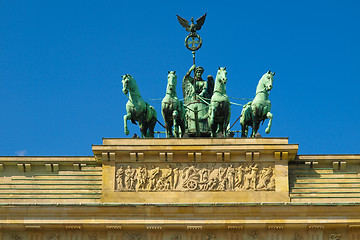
92 236
15 236
53 236
335 237
298 236
133 236
191 177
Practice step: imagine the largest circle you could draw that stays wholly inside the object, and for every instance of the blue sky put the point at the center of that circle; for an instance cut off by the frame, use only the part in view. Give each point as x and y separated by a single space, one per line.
61 64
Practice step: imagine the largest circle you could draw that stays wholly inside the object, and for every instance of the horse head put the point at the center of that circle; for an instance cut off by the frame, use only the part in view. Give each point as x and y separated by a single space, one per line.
268 79
172 81
125 82
221 75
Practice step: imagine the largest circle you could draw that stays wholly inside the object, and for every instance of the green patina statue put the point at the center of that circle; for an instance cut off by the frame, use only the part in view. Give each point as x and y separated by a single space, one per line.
196 86
172 109
137 109
205 110
258 109
219 111
197 93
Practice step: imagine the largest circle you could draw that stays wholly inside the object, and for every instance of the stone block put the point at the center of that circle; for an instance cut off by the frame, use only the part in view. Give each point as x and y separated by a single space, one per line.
104 156
133 157
277 155
162 156
342 166
248 156
219 156
256 156
112 156
21 167
285 156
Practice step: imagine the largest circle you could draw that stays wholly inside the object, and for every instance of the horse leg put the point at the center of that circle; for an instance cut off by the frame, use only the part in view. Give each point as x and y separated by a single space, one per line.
256 125
152 123
151 131
126 117
182 127
175 123
143 125
227 123
168 126
212 123
269 115
244 127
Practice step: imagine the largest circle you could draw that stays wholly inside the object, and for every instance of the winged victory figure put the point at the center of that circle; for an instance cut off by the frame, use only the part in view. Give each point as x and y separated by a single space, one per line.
193 26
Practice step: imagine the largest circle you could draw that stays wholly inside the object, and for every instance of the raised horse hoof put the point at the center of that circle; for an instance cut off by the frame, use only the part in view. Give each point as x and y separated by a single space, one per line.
267 130
126 131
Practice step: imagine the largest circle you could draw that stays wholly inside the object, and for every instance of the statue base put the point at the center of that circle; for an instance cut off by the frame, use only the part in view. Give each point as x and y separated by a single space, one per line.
215 170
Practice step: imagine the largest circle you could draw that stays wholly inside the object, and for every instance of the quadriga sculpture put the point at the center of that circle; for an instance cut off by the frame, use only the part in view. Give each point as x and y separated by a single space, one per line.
219 110
172 109
258 109
137 109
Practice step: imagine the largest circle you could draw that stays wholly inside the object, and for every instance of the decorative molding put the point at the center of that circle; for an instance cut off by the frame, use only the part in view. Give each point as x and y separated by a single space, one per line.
76 166
342 165
354 227
275 227
316 227
154 227
235 227
195 177
194 227
223 156
32 227
21 167
335 236
166 156
73 227
114 227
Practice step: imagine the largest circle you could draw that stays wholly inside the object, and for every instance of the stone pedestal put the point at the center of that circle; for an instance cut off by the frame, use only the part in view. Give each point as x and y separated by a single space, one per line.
195 170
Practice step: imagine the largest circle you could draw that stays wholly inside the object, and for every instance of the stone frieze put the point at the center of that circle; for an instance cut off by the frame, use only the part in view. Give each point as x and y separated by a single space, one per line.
194 177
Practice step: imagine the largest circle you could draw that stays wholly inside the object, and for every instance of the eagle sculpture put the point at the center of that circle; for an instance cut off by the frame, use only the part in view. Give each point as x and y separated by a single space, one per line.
192 27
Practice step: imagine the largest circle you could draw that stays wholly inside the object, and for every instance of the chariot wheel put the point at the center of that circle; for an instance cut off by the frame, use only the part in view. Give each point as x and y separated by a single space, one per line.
192 185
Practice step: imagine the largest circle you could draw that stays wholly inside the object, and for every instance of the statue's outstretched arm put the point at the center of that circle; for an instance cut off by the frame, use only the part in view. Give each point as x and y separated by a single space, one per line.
190 70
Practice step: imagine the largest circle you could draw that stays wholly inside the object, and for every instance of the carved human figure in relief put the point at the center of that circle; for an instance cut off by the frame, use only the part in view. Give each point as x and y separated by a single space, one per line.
152 178
239 182
176 177
271 185
264 178
166 180
204 178
120 178
191 177
142 176
222 178
130 178
247 178
213 179
253 175
230 175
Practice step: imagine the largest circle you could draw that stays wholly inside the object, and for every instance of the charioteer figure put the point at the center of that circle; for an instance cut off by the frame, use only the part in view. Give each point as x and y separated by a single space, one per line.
196 86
